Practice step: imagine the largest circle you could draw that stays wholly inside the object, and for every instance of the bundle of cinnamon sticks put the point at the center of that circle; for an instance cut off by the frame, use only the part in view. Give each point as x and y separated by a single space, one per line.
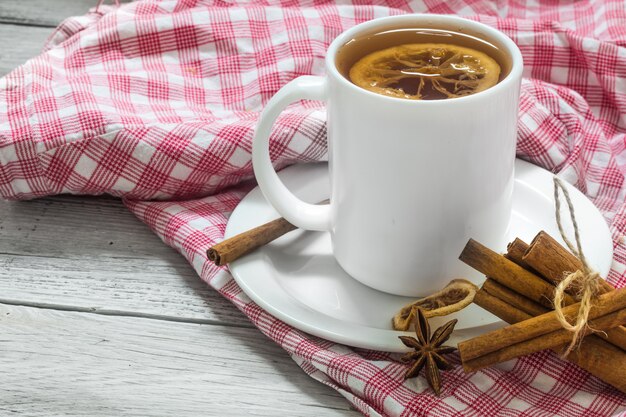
520 288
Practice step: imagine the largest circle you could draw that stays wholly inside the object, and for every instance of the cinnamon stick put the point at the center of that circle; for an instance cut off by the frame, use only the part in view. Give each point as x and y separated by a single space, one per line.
499 307
544 331
508 273
593 354
546 256
515 251
549 341
522 281
235 247
513 298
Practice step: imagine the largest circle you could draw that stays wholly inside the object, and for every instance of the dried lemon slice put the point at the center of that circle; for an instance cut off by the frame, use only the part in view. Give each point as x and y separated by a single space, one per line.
457 295
426 71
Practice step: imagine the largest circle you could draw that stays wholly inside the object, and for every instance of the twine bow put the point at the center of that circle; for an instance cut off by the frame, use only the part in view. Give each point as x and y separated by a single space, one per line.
585 281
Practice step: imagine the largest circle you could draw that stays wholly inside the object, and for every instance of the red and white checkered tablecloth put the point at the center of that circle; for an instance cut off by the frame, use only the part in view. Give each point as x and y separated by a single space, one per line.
156 102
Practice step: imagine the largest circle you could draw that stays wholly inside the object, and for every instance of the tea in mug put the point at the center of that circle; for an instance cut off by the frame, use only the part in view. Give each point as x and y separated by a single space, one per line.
422 64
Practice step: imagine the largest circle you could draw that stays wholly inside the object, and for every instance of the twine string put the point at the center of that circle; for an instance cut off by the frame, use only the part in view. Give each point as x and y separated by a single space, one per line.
585 280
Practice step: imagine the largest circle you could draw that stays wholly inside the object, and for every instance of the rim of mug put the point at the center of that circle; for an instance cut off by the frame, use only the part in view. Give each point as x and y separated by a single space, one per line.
490 33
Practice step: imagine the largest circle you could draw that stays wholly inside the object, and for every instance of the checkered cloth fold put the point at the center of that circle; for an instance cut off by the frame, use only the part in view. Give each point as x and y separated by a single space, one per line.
156 102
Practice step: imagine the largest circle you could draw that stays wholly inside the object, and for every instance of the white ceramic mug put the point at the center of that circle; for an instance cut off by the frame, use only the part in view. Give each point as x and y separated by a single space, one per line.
411 181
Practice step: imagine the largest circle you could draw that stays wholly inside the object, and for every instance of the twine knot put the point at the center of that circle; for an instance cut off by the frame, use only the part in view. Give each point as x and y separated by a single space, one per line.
584 284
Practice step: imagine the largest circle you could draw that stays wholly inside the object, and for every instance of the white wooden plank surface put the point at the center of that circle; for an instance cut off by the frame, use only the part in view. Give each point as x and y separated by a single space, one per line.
92 253
19 43
44 12
111 230
76 364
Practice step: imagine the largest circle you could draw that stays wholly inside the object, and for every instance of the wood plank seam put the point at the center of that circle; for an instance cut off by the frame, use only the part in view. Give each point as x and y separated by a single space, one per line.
121 313
5 21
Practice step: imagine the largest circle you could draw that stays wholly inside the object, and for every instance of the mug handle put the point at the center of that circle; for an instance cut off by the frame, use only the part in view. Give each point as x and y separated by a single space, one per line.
297 212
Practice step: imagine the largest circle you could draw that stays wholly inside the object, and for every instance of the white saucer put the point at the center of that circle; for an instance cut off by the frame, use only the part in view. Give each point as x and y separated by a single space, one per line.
296 278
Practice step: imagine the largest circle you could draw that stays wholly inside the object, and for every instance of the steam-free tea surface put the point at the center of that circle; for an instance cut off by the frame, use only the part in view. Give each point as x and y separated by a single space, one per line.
422 63
297 279
426 71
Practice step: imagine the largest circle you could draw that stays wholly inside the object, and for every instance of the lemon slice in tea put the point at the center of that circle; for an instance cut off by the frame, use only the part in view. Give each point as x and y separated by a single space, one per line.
426 71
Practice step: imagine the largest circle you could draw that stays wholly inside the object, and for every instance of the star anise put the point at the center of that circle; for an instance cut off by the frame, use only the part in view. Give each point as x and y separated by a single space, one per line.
428 350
